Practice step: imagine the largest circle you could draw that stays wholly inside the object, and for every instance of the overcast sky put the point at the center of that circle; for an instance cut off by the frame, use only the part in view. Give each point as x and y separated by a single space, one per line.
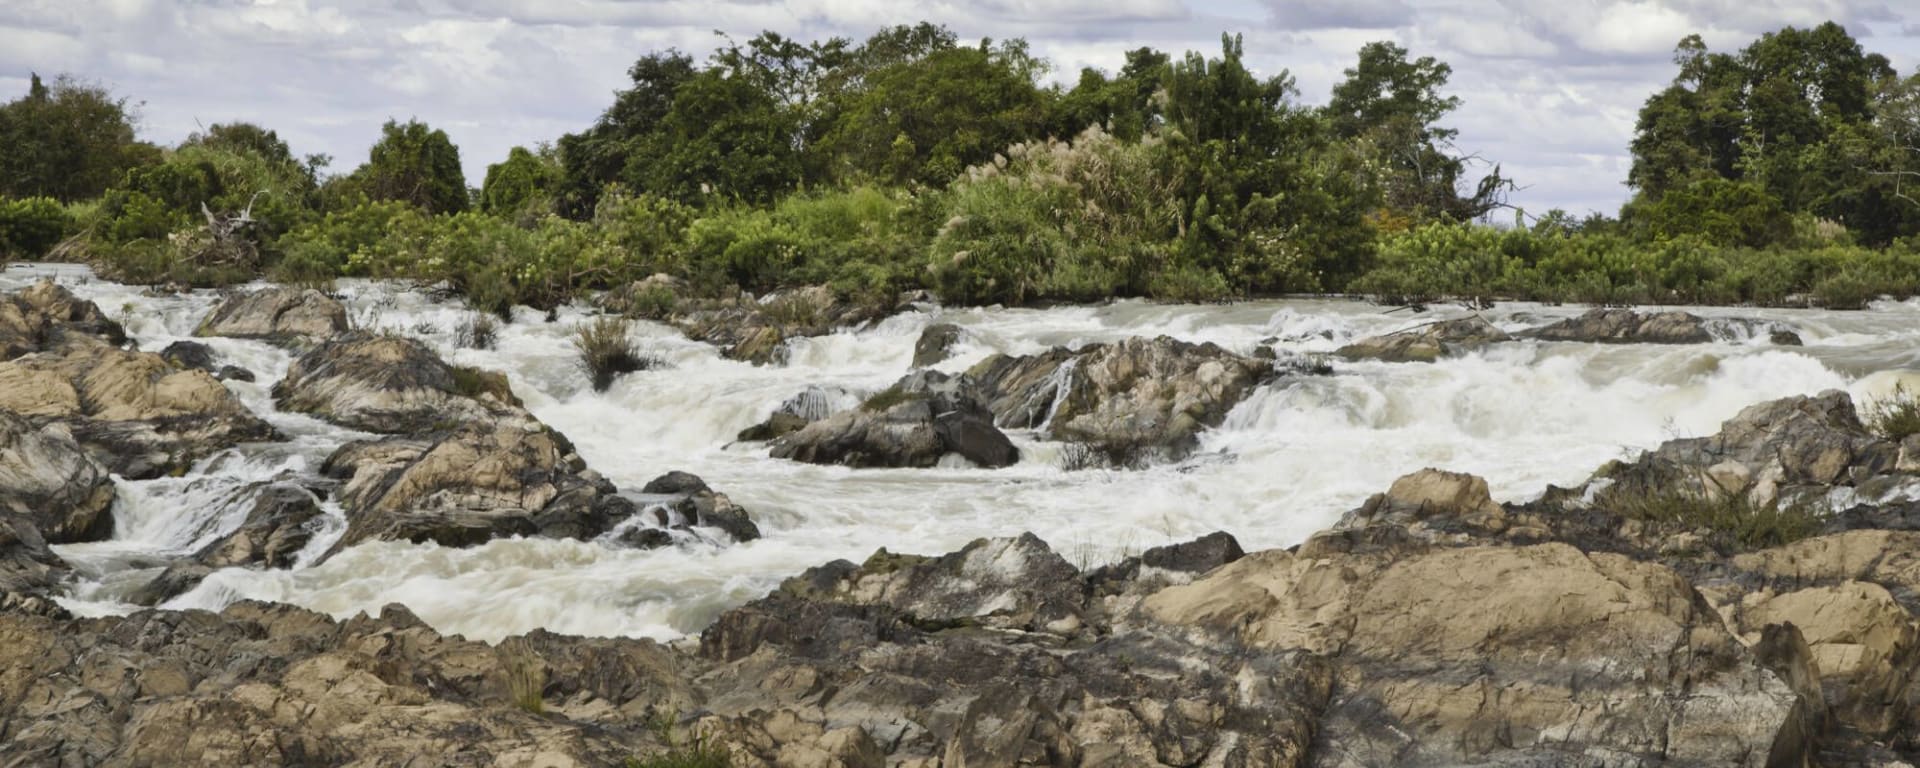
1550 87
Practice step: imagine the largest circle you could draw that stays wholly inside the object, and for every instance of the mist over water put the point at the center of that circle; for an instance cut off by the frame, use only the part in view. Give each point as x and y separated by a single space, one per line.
1286 462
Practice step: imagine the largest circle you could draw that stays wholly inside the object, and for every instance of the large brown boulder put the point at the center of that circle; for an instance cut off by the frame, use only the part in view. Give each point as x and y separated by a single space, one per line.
393 385
1625 326
1426 343
277 313
47 316
138 414
754 330
1139 395
470 485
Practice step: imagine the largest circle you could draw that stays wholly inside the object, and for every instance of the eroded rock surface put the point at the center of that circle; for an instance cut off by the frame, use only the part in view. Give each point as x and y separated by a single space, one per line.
1137 395
754 330
276 313
394 385
1426 343
921 419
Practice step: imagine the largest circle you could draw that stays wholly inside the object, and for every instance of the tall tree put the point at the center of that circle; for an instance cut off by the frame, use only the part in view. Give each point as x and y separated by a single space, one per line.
1389 108
598 156
417 164
69 140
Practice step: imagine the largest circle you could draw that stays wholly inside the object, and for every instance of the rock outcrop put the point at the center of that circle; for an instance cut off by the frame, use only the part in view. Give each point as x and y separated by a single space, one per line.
936 344
745 328
279 313
1626 326
810 405
50 482
469 485
680 502
138 414
394 385
915 423
279 523
1136 396
1426 343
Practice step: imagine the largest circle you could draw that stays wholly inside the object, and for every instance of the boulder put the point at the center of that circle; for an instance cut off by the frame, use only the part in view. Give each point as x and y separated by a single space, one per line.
29 571
139 415
1137 395
688 503
197 356
470 485
50 485
743 327
278 313
1808 444
394 385
46 317
1625 326
1565 655
810 405
1426 343
915 423
936 343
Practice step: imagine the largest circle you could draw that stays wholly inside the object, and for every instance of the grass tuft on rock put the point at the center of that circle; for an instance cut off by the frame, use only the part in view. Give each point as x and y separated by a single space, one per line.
887 398
1746 524
479 331
700 752
526 674
1896 416
606 353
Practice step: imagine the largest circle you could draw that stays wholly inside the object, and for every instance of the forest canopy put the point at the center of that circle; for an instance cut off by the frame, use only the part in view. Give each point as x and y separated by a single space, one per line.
917 159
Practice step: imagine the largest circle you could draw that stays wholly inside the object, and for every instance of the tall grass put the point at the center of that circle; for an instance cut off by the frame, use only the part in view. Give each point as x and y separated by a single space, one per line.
1896 416
1745 523
606 353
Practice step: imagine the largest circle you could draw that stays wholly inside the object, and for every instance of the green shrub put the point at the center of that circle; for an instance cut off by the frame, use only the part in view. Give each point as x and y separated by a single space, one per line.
31 227
1744 523
1896 416
526 674
606 353
478 331
1846 290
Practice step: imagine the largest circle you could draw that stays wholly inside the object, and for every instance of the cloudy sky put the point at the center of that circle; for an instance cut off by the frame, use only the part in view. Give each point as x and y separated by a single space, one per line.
1550 86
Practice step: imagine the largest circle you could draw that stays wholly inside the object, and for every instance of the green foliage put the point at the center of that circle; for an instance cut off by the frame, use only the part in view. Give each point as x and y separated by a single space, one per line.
1895 417
416 164
526 673
68 141
520 188
31 227
1720 211
478 331
1746 525
606 352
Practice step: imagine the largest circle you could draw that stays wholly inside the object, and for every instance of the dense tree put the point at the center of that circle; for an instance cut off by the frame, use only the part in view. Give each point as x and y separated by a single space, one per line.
523 182
417 164
598 156
723 138
69 140
1122 105
1797 114
924 119
1389 108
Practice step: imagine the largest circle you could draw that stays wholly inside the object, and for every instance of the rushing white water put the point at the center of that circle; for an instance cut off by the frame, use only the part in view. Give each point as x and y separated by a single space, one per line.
1287 461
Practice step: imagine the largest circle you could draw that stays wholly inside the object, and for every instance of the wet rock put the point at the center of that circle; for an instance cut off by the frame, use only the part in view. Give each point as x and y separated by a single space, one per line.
470 485
694 504
189 354
1781 337
29 571
394 385
936 343
1805 444
48 317
1625 326
197 356
915 423
1138 395
1427 343
745 328
810 405
50 485
276 528
278 313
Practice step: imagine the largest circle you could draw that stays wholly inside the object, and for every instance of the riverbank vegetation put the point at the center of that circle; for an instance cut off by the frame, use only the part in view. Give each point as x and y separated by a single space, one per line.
1776 174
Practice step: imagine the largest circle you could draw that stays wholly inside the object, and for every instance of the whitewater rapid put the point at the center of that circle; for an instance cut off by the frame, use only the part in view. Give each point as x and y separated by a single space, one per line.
1286 462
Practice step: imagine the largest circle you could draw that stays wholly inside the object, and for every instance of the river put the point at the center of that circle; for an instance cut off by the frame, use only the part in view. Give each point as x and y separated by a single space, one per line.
1286 462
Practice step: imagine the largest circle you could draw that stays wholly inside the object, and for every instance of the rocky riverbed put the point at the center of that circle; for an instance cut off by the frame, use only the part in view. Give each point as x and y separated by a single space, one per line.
1119 536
